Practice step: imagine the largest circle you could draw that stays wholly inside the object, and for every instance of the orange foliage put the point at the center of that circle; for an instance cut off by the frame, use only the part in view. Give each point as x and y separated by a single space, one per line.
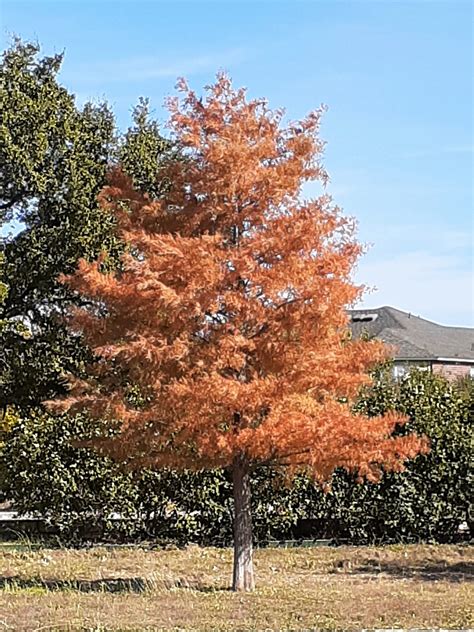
229 309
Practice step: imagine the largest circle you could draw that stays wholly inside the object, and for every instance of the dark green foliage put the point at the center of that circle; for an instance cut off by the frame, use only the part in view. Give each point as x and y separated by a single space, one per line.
54 159
53 155
427 501
434 495
143 151
77 491
73 488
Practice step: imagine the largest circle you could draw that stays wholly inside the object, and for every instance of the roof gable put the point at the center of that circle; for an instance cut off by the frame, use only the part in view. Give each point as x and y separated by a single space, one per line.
414 337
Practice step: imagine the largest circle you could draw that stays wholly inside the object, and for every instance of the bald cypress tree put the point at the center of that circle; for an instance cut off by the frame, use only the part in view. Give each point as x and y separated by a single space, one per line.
228 313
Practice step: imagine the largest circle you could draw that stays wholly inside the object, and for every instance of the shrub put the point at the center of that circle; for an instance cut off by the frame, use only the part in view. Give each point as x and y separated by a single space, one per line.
433 496
77 490
74 489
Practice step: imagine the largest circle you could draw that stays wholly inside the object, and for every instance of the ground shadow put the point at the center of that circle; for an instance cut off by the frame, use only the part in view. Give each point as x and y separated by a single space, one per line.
426 571
115 585
109 585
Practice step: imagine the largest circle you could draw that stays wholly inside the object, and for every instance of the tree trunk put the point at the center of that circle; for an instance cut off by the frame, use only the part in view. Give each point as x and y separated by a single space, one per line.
243 578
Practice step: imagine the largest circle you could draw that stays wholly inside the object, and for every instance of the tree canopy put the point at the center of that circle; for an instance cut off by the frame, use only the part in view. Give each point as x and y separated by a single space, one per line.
54 159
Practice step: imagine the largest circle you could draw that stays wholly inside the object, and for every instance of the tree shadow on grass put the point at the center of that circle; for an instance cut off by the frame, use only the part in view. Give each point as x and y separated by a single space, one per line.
425 571
106 585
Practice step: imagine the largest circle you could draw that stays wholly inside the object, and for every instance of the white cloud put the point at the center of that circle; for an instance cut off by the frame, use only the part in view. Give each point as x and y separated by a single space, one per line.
10 229
153 67
435 286
410 237
437 151
424 268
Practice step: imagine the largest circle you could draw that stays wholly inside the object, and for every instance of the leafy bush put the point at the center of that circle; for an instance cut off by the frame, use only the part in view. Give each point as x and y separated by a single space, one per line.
77 490
430 499
433 496
72 488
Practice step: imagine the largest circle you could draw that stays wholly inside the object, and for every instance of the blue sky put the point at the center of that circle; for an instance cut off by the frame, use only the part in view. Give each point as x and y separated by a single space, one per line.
396 76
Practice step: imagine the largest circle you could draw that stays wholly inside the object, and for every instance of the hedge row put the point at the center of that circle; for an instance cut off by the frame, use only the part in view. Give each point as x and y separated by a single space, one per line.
77 491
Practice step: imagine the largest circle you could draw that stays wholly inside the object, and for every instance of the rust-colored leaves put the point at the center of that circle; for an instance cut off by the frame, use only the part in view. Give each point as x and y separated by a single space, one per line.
227 316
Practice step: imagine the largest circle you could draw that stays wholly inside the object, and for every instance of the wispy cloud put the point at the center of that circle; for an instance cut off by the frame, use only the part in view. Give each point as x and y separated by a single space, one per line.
461 150
410 237
144 68
435 286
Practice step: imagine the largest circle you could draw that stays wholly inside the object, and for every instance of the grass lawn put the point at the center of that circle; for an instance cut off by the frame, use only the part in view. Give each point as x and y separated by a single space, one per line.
416 586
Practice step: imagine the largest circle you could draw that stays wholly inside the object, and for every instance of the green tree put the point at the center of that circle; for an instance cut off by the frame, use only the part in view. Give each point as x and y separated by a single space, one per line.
142 152
54 161
72 489
54 158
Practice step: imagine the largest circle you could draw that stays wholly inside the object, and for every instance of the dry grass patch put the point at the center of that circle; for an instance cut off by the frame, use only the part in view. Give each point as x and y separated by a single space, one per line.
333 588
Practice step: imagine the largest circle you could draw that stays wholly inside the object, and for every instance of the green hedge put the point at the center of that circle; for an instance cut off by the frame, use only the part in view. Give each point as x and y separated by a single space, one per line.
77 490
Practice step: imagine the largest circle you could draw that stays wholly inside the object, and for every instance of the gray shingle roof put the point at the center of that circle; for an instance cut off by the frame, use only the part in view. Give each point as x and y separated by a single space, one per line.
414 338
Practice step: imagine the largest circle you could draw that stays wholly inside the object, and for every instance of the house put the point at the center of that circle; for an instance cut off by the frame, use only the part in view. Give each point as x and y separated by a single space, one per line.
418 342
